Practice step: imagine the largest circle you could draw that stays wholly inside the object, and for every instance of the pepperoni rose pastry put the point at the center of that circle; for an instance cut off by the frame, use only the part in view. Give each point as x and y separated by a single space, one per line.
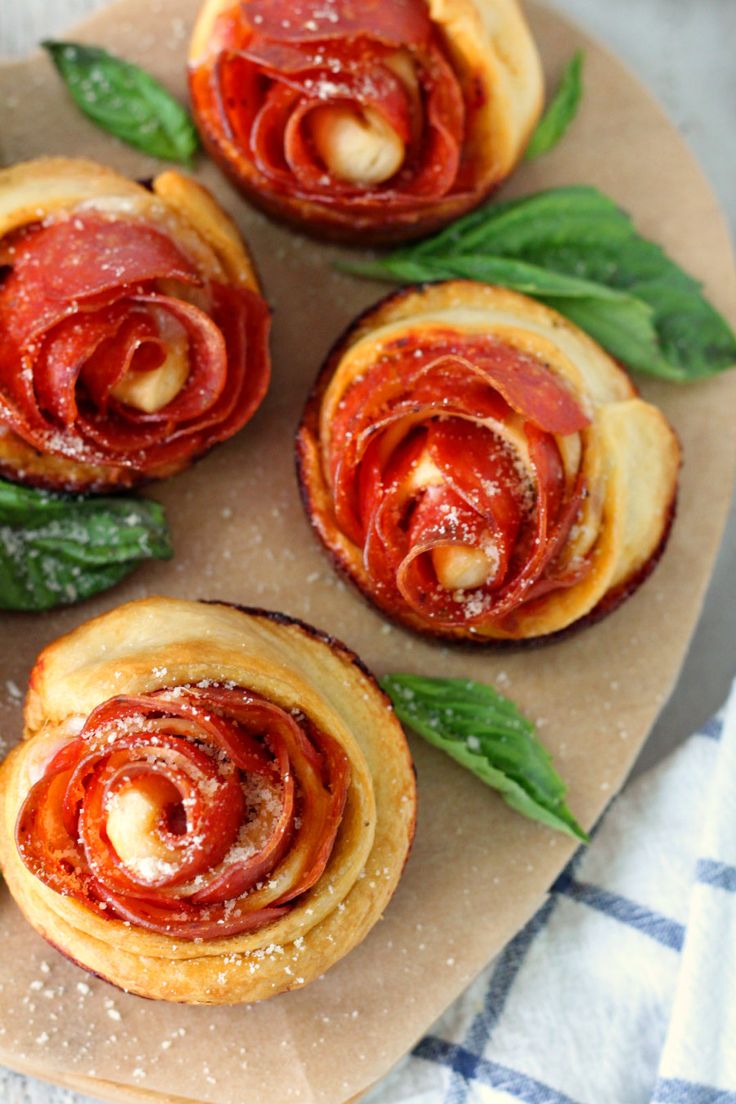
481 469
133 335
362 120
210 805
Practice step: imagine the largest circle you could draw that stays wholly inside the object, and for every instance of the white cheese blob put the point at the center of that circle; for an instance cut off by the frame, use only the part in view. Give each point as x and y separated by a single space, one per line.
356 146
425 473
461 568
150 391
134 815
456 566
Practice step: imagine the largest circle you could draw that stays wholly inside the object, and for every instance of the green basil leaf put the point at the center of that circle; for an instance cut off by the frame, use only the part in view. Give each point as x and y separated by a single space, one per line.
695 339
622 263
394 267
516 225
485 732
58 549
523 227
575 250
625 326
519 275
125 101
561 111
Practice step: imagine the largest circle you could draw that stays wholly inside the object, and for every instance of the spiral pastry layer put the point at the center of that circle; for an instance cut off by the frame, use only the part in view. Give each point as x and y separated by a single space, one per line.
365 121
481 469
133 335
204 788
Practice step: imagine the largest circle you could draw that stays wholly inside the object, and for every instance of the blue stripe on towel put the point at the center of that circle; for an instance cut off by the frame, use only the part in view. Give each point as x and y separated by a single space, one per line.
504 974
673 1090
714 873
471 1067
661 928
712 729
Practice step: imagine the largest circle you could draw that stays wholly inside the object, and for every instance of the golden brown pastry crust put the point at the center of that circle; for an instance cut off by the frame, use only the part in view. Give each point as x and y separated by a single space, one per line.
494 57
32 191
157 642
629 454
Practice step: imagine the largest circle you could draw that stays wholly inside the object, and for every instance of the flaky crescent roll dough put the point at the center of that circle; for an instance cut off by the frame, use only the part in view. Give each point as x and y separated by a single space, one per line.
90 255
333 143
517 409
147 645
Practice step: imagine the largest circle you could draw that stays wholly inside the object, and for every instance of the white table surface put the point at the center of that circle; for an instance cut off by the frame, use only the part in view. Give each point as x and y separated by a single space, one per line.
683 51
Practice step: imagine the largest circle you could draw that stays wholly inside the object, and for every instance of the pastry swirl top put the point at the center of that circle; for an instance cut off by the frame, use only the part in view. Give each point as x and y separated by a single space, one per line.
133 335
203 784
481 468
365 120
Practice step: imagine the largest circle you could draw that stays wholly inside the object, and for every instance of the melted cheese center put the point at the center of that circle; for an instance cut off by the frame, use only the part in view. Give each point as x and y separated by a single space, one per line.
461 568
151 390
456 566
359 146
134 816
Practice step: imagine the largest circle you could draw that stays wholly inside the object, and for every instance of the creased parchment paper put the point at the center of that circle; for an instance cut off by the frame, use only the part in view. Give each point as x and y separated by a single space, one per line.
477 871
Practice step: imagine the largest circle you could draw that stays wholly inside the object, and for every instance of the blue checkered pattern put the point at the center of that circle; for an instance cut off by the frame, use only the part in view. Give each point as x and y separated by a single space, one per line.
622 988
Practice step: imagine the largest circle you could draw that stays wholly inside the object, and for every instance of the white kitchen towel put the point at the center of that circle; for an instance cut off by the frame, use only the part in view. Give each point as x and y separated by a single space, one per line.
622 988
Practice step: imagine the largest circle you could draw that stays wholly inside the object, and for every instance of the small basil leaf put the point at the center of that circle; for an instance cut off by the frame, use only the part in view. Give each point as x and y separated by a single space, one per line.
60 549
485 732
125 101
561 111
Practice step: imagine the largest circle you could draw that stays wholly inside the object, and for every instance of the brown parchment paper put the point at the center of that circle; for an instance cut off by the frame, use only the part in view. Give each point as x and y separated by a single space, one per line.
478 871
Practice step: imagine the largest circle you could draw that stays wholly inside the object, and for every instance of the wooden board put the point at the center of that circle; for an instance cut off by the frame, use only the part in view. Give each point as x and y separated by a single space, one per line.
478 872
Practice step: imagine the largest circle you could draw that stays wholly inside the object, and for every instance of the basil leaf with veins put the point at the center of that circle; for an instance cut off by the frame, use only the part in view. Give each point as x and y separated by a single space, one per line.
125 100
59 549
575 250
485 732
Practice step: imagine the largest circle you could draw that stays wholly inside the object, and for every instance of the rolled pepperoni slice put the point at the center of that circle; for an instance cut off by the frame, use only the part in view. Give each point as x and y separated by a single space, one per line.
200 785
365 121
481 469
172 812
133 335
